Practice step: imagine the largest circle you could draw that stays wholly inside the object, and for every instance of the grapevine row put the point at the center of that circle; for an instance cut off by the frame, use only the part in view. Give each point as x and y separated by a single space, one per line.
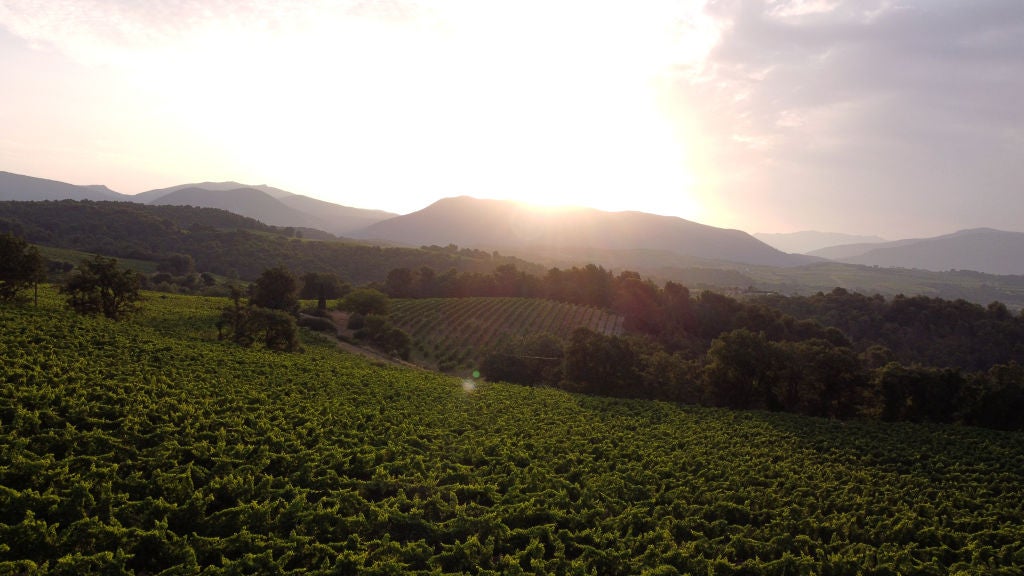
464 329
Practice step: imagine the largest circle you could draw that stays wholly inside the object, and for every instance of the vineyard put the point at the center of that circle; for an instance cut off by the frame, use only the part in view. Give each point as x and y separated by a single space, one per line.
149 447
456 332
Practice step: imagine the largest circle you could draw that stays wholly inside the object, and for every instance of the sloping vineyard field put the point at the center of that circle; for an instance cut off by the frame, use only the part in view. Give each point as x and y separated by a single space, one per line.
148 447
459 331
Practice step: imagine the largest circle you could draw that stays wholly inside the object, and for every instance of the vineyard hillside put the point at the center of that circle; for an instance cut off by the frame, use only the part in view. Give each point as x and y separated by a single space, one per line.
457 332
147 446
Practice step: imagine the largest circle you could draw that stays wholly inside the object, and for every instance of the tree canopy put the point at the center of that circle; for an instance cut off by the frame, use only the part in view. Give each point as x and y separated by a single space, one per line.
277 289
21 266
101 287
365 301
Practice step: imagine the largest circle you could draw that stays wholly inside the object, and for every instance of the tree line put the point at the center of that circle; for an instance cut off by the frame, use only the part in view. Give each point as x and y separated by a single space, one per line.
911 330
836 355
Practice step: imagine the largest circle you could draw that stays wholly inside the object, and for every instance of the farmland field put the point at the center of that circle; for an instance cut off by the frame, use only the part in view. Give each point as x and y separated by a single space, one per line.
459 331
148 446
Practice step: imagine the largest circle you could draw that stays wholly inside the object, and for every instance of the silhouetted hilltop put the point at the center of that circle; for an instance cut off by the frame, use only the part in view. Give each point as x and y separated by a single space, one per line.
249 202
151 195
499 224
30 188
342 220
269 205
807 241
981 250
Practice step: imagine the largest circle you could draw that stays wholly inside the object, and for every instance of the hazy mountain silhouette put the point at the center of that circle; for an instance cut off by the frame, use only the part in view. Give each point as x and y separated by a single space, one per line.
844 251
980 249
343 219
499 224
808 241
556 234
250 202
267 204
149 196
19 187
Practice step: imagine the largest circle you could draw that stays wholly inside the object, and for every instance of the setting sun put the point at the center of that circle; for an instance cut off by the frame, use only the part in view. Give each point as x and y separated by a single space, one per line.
393 108
751 115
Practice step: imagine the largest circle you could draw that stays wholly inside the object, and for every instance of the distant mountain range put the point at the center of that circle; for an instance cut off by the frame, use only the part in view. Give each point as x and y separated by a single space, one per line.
18 187
264 203
808 241
506 225
269 205
841 252
148 197
981 250
564 236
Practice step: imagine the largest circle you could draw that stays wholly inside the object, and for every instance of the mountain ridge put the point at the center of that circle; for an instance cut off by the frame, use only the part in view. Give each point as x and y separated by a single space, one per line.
149 196
250 202
269 205
19 187
978 249
558 234
503 225
808 241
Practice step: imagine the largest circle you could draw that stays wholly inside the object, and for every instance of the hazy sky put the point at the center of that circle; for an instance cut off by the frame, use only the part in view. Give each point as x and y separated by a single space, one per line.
896 118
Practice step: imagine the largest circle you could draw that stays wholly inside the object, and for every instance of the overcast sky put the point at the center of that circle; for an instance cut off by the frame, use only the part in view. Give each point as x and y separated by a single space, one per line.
895 118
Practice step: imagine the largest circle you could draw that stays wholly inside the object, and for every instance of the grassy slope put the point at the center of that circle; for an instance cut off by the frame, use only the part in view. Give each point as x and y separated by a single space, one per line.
75 257
146 445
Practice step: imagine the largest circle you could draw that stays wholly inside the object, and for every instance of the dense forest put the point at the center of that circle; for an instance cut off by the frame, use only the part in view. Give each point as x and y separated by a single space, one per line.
220 242
148 446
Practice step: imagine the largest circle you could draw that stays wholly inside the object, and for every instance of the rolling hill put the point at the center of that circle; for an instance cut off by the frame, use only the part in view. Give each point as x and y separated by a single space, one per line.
841 252
342 220
250 202
220 242
149 196
808 241
980 249
663 248
29 188
264 203
505 225
269 205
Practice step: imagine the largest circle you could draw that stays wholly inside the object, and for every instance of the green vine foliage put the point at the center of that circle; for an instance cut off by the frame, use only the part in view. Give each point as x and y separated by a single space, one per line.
473 327
150 447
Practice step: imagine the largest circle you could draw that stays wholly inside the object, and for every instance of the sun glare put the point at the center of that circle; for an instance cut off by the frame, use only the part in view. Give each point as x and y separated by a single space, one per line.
552 106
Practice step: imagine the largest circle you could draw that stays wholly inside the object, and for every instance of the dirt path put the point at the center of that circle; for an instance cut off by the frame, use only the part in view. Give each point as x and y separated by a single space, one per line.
340 320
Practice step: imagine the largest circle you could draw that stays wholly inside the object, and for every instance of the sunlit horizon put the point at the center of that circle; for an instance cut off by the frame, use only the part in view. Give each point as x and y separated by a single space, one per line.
773 117
393 106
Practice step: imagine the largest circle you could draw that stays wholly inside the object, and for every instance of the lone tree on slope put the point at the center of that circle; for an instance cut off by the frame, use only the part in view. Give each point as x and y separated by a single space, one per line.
277 289
21 266
100 287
